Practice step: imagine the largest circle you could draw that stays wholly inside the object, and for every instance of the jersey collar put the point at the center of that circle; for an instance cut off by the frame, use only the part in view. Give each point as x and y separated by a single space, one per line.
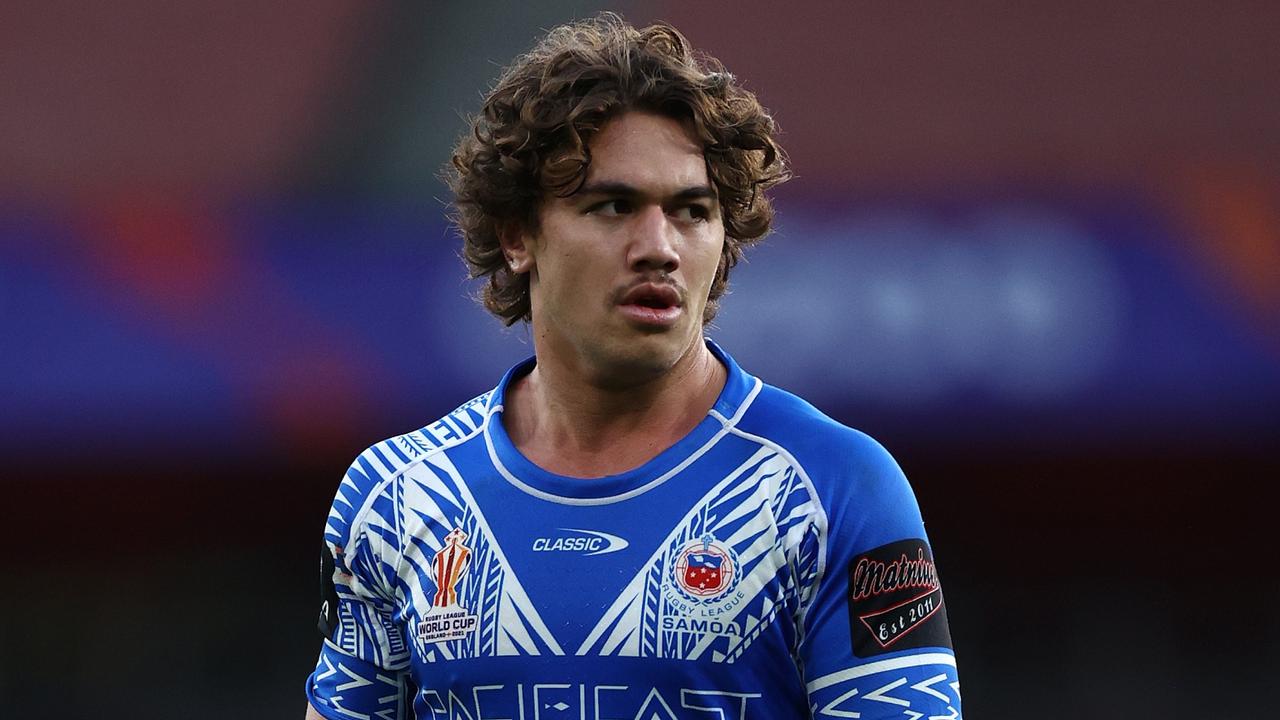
739 389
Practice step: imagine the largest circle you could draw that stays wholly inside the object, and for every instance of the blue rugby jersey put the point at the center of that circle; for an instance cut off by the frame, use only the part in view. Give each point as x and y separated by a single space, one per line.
770 565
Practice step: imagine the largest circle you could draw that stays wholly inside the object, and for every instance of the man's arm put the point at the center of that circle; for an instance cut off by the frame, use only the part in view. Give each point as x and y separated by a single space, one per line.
363 663
876 642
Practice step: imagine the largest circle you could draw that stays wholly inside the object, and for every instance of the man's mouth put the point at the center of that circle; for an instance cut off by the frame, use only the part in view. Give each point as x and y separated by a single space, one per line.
652 294
652 304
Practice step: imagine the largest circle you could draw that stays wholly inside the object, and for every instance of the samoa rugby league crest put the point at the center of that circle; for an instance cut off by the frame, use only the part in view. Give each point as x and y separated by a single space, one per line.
706 569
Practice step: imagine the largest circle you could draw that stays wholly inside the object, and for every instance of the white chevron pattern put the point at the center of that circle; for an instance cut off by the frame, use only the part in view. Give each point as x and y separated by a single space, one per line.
510 624
761 510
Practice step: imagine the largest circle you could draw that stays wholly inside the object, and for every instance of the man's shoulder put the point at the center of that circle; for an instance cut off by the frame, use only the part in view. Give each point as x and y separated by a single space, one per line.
857 483
824 447
464 422
377 466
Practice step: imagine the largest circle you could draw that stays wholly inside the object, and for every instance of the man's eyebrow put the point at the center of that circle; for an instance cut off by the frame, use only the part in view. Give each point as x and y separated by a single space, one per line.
696 192
620 189
608 188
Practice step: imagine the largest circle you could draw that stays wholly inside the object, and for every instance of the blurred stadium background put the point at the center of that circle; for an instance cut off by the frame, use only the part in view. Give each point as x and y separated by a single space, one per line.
1034 248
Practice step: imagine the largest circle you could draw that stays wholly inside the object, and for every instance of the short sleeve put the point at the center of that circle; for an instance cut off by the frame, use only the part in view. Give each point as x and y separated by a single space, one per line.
362 669
876 642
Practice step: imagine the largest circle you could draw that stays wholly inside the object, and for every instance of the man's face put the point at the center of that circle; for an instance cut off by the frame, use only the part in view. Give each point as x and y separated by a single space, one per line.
620 271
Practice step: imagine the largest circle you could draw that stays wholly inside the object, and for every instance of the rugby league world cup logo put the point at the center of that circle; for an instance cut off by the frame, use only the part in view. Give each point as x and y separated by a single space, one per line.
447 620
449 563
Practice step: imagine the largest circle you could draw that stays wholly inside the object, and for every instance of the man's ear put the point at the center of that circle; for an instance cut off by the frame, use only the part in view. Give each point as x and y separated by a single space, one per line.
516 247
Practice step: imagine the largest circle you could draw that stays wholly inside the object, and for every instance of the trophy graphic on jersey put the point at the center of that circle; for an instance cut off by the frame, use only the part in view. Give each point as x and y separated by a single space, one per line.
449 563
446 620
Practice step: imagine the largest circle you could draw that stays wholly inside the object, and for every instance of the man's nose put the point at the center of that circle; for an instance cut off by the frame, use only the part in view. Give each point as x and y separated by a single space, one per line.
653 241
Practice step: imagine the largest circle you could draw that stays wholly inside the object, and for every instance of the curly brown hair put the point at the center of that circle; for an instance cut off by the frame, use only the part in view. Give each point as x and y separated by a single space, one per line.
532 136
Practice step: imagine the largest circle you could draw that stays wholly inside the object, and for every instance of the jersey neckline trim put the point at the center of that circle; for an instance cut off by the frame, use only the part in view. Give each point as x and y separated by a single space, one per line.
740 389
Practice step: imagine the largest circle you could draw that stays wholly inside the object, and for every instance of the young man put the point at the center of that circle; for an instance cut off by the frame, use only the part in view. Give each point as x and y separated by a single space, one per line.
629 525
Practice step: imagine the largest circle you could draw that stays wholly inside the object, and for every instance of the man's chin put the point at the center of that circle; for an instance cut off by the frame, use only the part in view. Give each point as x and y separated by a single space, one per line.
641 359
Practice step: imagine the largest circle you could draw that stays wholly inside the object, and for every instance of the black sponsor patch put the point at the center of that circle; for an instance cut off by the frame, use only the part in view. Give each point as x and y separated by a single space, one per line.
895 600
328 622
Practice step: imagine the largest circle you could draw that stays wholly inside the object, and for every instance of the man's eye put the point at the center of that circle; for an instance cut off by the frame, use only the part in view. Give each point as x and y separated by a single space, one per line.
610 208
692 213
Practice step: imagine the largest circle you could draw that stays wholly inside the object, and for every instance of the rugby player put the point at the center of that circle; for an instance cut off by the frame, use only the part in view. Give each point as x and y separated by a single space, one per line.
629 524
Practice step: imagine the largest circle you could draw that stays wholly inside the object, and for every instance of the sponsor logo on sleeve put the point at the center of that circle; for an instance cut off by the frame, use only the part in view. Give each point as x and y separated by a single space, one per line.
895 600
333 567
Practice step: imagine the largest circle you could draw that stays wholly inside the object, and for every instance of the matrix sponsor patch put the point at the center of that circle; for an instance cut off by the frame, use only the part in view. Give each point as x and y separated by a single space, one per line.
895 600
327 624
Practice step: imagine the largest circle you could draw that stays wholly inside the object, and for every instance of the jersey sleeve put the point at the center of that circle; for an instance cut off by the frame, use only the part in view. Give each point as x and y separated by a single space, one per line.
362 669
876 642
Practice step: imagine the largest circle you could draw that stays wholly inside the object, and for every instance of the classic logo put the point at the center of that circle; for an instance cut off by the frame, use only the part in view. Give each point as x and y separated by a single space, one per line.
705 569
576 540
446 620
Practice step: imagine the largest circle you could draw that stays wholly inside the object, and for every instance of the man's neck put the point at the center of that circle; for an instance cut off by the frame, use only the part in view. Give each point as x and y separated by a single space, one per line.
568 424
